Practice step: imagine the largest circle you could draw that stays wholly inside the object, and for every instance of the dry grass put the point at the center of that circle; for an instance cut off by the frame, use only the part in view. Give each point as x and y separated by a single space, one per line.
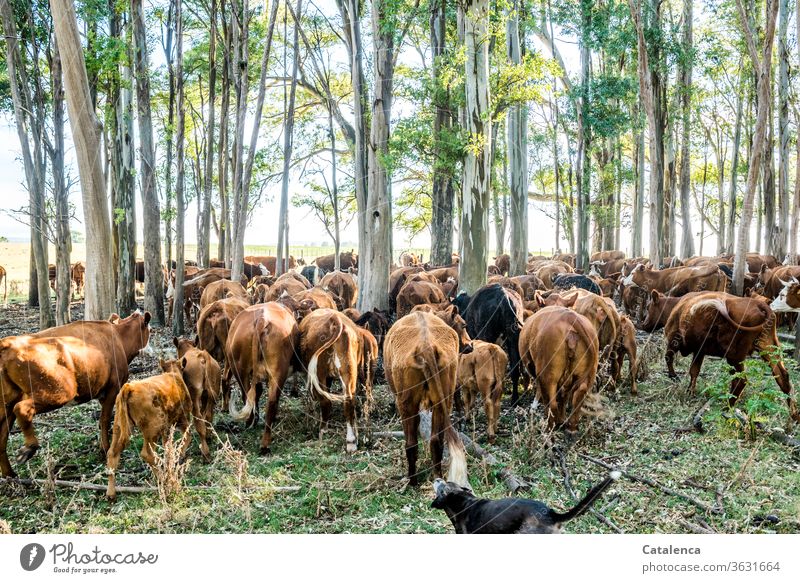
170 470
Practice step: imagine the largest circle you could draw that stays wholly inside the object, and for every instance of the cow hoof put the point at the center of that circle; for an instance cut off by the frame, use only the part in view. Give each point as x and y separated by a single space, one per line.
264 451
351 448
26 452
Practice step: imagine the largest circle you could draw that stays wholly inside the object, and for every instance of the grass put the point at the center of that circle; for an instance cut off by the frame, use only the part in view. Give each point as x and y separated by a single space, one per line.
367 492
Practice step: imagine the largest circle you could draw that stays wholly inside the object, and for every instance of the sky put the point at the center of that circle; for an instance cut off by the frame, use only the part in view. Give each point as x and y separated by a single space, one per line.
304 228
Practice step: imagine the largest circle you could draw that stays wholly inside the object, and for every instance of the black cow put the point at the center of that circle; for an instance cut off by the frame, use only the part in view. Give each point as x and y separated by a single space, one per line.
492 312
313 273
572 280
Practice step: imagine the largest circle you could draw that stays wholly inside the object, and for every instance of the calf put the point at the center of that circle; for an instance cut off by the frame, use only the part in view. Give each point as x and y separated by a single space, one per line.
69 364
347 259
471 515
420 360
730 327
495 312
625 346
659 309
481 372
261 348
320 298
377 322
503 263
559 349
330 348
156 406
201 373
78 273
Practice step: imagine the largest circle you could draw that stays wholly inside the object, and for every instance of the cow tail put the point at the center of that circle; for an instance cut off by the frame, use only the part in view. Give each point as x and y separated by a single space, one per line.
457 472
586 502
517 321
314 363
122 418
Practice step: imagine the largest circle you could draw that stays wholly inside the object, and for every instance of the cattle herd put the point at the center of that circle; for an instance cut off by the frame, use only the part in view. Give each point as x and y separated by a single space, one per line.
439 349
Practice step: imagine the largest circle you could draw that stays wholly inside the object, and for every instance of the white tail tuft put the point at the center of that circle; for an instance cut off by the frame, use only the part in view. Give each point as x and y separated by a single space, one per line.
615 475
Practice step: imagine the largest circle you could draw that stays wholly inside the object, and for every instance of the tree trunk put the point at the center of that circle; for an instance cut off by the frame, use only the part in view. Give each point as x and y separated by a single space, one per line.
475 182
375 259
204 234
86 136
780 248
517 147
737 140
180 176
584 162
63 238
123 187
153 277
638 205
288 143
763 67
795 224
443 194
768 187
687 240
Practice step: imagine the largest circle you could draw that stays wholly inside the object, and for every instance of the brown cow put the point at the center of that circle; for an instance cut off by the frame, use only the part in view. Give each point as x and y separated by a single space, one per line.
330 348
213 325
397 279
420 360
201 373
260 348
260 294
418 292
78 273
598 310
659 309
155 405
508 283
568 258
219 290
269 262
773 280
625 346
285 285
559 349
481 372
377 322
607 255
730 327
4 279
347 259
677 281
605 268
320 297
528 284
548 270
344 285
74 363
503 263
407 259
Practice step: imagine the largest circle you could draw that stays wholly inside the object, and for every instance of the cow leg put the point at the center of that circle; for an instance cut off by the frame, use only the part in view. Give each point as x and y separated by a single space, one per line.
694 372
226 388
512 347
6 422
411 433
737 384
325 408
490 404
200 420
348 375
24 411
148 452
106 409
673 344
439 422
577 403
118 443
275 385
782 378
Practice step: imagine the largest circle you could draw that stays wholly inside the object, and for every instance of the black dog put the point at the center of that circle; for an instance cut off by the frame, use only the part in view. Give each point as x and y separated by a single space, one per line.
471 515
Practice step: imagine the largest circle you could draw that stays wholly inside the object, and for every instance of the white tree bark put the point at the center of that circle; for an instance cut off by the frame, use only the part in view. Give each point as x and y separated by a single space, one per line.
475 183
86 136
518 156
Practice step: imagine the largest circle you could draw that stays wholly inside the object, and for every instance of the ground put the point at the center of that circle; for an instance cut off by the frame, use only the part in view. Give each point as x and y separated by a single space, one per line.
754 478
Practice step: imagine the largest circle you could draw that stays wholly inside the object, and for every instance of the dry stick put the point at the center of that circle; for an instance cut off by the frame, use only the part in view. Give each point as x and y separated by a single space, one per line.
568 485
701 505
123 489
695 528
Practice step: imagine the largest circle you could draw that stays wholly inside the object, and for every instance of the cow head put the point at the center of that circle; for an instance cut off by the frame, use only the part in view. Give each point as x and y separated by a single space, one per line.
264 271
594 268
171 366
134 331
453 319
630 279
655 307
788 299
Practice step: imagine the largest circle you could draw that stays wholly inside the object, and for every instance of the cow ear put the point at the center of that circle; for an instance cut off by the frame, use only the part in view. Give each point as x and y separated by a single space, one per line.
655 295
114 318
176 341
147 317
183 362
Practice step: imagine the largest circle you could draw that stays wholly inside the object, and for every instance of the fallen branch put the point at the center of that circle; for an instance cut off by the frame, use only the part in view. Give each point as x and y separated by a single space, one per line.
779 435
652 483
695 528
123 489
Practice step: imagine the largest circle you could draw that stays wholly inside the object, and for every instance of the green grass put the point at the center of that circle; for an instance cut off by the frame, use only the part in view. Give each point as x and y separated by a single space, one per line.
367 492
